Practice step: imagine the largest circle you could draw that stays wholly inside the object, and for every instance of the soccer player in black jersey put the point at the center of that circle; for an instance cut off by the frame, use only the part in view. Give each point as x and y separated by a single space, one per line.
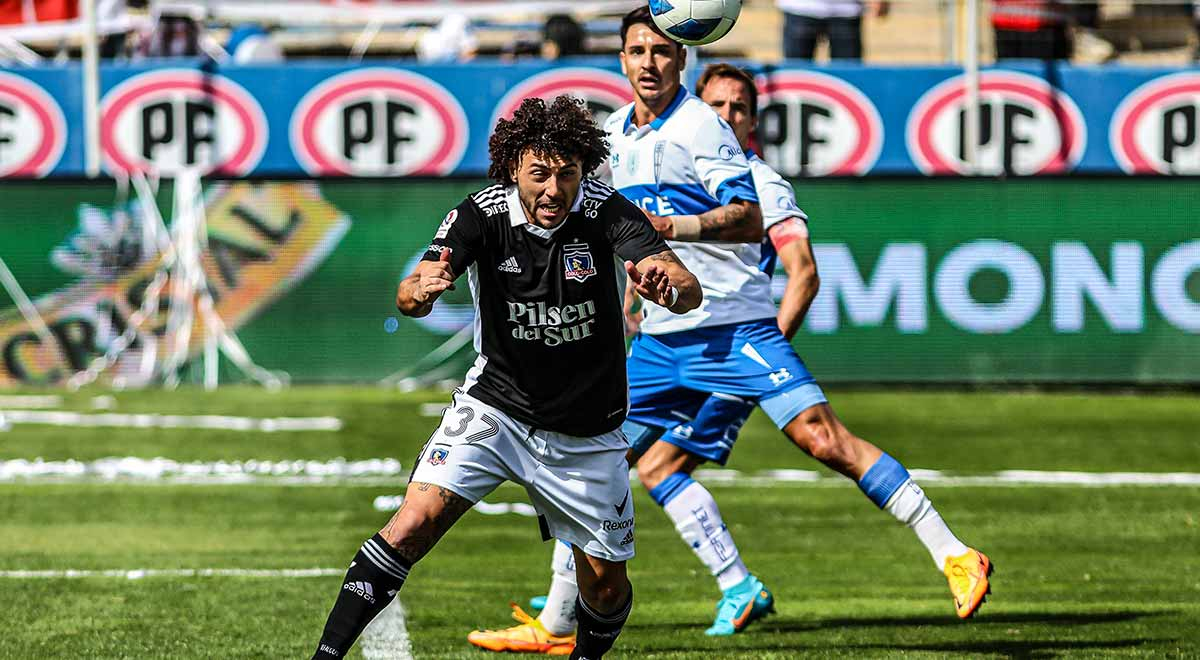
544 402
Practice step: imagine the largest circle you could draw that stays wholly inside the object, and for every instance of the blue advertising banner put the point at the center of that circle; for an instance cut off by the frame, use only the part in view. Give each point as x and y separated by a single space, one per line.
399 119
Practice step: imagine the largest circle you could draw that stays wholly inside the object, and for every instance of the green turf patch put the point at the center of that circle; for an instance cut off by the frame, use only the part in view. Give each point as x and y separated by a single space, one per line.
1081 572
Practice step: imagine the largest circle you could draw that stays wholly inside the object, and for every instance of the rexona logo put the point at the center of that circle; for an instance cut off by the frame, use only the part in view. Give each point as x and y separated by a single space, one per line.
811 124
1026 126
602 91
33 131
1154 130
379 122
168 121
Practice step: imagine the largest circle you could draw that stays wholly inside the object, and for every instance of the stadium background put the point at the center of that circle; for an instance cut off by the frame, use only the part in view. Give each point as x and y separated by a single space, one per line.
1065 253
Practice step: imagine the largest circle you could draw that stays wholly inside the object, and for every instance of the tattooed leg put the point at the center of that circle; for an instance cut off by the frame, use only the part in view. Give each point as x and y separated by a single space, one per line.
427 513
382 563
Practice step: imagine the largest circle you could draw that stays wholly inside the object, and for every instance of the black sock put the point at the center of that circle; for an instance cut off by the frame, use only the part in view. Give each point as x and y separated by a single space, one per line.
597 632
375 575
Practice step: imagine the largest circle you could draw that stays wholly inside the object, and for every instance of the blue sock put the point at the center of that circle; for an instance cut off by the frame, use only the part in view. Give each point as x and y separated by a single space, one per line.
668 488
882 481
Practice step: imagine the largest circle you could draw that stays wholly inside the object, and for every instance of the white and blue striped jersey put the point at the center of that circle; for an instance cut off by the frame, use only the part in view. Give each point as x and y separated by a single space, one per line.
687 162
777 199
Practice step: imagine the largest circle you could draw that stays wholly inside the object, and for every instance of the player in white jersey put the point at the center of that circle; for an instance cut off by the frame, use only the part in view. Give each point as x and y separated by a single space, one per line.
673 158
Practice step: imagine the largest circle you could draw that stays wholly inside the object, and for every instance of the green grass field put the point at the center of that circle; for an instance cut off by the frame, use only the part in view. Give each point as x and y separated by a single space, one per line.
1081 571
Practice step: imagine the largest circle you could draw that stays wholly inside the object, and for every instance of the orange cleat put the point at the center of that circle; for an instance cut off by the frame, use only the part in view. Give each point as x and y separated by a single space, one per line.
529 636
968 577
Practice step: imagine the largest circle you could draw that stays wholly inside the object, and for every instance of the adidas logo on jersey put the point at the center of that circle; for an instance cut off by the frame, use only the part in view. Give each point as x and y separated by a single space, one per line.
510 265
628 538
363 589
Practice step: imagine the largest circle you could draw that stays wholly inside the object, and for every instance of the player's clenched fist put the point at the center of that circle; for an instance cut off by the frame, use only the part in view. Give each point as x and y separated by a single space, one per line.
420 290
436 277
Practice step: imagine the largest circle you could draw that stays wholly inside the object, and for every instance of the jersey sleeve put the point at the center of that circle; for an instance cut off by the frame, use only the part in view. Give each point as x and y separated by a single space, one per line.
778 200
721 164
629 231
461 232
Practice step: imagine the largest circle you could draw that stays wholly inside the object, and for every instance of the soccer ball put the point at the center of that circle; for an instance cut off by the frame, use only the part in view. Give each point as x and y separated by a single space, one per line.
695 22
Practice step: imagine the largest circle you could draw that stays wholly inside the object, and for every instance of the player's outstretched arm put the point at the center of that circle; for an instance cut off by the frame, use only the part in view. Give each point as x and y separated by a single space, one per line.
664 280
791 241
736 222
421 289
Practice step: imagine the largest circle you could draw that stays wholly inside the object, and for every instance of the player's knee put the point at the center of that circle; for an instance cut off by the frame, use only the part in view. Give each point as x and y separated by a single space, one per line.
823 440
652 473
655 466
607 595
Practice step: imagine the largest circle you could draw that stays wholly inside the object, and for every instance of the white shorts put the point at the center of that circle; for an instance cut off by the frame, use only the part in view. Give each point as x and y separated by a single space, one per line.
579 485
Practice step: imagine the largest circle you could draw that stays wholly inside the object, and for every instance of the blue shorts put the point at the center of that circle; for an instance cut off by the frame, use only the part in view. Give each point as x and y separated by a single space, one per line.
702 385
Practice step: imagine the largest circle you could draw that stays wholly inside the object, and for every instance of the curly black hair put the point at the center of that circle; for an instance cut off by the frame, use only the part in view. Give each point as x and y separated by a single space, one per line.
564 129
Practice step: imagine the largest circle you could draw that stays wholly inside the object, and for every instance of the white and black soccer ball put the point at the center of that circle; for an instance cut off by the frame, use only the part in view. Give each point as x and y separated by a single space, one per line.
695 22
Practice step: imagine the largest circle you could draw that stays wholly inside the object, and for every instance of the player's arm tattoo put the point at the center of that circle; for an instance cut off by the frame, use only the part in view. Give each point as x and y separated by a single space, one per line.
414 541
736 222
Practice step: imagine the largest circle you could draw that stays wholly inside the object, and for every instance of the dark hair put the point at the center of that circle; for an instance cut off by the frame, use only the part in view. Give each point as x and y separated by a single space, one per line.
641 16
564 129
723 70
566 33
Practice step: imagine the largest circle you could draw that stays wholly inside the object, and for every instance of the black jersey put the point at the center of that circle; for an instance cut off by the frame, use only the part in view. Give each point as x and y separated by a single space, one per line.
548 313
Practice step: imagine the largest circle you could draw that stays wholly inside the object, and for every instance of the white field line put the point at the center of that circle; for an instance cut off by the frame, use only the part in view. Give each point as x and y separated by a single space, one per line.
30 401
139 573
387 471
432 409
157 421
773 478
220 472
386 638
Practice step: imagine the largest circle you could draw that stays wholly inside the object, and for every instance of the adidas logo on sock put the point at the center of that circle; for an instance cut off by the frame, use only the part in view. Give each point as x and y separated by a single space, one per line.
363 589
510 265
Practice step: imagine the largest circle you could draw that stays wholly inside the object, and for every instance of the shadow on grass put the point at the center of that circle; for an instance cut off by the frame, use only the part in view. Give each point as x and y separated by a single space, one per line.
1057 618
784 625
1029 648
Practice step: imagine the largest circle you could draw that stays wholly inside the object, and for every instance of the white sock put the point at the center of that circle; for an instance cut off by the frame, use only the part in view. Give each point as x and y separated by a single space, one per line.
911 507
558 617
698 521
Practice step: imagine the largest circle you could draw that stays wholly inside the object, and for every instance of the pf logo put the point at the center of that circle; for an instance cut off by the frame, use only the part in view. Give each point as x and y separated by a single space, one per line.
379 122
1026 126
812 124
171 120
601 91
33 130
1154 129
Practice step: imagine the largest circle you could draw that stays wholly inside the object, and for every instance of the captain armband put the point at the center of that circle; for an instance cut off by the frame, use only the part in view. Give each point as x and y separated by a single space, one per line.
787 231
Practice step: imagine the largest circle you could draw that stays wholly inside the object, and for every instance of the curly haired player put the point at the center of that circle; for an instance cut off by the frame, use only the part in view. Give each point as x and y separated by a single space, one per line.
544 403
694 378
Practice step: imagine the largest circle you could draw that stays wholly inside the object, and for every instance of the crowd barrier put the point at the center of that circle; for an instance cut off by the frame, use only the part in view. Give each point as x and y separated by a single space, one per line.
943 280
403 119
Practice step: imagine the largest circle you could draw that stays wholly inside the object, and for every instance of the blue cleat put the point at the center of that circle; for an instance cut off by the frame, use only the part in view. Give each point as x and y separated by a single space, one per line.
740 606
538 602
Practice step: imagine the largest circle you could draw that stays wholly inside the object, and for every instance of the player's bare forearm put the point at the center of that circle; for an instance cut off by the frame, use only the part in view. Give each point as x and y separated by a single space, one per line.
406 298
417 292
736 222
803 284
678 276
